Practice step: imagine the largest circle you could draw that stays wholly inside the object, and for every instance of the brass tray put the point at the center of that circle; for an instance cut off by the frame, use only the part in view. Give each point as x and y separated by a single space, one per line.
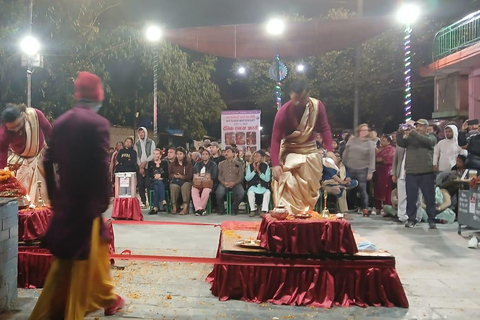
246 243
303 215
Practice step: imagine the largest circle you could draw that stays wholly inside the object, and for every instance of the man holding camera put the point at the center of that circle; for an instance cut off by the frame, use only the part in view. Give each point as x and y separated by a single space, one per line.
419 147
470 136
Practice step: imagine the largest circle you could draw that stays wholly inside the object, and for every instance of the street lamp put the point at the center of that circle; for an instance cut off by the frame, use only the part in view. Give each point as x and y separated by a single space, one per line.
241 70
300 67
30 46
276 27
407 15
153 34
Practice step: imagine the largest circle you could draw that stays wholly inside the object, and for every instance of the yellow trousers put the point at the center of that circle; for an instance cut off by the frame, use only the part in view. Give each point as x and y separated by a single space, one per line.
74 288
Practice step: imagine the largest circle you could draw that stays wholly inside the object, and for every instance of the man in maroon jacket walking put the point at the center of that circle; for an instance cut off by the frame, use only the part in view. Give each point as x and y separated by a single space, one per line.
79 279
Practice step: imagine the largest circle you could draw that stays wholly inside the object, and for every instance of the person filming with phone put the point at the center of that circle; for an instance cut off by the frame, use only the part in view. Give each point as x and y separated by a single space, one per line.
469 136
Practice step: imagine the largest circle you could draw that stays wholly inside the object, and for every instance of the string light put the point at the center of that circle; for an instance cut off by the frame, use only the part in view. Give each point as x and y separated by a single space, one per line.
408 73
278 85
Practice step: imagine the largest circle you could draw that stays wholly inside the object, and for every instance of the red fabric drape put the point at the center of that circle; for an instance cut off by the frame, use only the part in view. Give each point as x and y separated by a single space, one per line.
342 285
306 236
33 266
127 208
33 223
337 280
34 262
300 39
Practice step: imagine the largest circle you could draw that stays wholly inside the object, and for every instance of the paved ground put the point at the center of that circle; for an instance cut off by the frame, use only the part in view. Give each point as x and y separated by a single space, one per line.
440 275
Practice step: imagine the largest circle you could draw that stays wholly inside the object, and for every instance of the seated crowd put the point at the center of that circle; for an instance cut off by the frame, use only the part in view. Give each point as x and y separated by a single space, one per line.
192 179
375 167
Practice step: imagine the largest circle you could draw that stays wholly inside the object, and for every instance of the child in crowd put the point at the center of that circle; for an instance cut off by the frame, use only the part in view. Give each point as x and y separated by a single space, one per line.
335 180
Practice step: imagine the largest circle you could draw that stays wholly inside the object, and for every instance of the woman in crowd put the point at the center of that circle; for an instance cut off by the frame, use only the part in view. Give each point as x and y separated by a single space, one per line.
359 158
180 173
335 145
203 169
157 173
383 182
348 136
114 162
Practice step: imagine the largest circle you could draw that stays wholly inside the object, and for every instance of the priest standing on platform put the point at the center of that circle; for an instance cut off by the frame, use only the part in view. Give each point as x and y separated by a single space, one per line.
297 167
79 279
24 131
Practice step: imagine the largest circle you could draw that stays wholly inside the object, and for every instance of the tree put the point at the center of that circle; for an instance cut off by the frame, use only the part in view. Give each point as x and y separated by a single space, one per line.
75 39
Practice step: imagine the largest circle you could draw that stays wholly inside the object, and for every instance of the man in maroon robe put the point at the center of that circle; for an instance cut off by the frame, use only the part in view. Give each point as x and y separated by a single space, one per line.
79 280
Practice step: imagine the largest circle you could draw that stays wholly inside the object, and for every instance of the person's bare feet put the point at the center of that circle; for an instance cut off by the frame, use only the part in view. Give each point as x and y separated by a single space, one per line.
184 210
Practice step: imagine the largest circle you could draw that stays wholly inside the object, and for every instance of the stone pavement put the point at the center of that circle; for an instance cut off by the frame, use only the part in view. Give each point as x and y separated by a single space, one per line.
440 274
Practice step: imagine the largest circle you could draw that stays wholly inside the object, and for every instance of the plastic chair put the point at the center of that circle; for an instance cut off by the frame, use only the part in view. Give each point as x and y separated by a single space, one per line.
150 197
320 205
208 209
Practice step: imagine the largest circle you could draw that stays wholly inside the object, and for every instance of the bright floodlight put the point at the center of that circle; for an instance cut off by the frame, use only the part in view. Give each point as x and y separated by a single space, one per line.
30 46
261 128
153 33
300 68
275 26
242 70
408 13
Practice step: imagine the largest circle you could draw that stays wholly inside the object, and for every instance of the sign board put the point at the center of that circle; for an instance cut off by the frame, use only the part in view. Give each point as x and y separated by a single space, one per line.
124 182
469 208
241 127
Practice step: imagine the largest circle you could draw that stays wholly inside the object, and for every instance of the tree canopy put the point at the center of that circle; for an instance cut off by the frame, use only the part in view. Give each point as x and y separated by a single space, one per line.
73 40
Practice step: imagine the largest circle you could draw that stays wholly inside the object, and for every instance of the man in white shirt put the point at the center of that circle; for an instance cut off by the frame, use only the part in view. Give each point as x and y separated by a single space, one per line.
446 151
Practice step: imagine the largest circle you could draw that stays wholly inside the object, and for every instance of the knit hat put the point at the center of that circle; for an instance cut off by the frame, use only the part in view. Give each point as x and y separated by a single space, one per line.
88 87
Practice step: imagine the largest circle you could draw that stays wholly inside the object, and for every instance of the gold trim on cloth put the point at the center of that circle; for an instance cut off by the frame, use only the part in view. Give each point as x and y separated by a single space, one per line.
31 134
29 163
299 184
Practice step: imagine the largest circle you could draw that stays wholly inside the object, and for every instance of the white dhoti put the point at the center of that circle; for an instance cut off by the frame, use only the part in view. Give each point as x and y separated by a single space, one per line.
29 173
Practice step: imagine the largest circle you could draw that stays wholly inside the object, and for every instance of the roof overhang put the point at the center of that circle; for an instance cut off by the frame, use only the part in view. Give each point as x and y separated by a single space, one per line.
462 62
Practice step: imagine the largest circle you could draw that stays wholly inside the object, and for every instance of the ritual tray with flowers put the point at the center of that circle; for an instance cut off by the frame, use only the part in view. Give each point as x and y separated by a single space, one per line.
10 187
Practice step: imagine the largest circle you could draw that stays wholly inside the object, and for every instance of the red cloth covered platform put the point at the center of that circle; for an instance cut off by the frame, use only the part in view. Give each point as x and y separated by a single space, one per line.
127 209
33 223
318 280
34 262
309 236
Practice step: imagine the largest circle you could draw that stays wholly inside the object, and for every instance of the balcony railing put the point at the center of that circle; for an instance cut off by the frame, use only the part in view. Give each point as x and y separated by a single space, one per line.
457 36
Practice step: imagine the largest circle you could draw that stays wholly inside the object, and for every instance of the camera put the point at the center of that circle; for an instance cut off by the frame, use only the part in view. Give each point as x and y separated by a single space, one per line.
404 127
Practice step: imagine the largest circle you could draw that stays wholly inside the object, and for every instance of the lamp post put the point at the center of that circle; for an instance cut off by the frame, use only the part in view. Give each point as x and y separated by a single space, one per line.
153 35
407 15
356 76
30 47
275 27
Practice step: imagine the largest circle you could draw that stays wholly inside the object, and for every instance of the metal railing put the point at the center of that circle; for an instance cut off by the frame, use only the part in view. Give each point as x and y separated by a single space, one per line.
457 36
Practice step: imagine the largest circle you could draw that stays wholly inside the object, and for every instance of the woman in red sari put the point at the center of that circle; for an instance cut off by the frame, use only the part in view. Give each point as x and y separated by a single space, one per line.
383 182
